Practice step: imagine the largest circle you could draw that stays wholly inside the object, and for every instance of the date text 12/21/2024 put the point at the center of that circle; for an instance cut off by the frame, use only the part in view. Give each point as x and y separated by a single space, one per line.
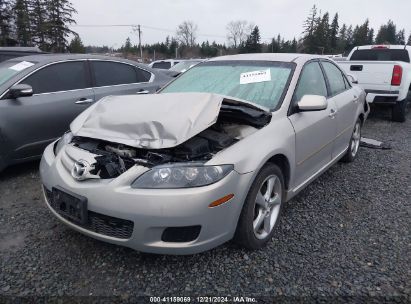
206 299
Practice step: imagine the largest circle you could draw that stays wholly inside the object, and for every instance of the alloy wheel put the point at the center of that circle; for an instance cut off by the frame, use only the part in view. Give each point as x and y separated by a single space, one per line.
267 206
355 139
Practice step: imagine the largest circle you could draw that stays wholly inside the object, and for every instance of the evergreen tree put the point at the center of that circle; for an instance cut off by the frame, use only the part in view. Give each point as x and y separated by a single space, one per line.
294 46
342 39
38 19
310 26
60 17
387 33
275 46
173 46
350 39
370 38
409 40
252 44
5 23
334 34
400 37
76 45
361 34
23 30
127 47
322 35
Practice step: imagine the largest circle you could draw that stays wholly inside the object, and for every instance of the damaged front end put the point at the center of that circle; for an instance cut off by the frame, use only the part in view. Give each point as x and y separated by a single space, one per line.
228 123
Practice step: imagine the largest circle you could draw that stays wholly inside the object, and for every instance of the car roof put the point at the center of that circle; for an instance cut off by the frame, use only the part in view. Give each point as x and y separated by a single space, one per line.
280 57
49 58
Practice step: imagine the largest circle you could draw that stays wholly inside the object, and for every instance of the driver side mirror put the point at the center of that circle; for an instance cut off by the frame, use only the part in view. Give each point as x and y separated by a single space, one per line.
20 90
312 103
352 78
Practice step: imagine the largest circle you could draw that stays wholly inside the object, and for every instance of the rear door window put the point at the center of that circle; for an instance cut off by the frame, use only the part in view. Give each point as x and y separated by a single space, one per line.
65 76
335 78
107 73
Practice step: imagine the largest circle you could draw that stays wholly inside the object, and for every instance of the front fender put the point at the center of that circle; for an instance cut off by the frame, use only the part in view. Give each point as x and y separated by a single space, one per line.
252 153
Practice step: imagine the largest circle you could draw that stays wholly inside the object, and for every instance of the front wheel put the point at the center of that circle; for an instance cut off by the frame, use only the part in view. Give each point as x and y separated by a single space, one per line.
261 208
354 143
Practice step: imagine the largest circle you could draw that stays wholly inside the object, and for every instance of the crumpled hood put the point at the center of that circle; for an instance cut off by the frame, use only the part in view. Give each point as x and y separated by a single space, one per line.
155 121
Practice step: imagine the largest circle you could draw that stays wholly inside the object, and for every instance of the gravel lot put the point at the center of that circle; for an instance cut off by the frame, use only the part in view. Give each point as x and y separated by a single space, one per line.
347 234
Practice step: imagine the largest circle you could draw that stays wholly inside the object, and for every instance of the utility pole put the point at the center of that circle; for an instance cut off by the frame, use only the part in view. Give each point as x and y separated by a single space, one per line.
139 42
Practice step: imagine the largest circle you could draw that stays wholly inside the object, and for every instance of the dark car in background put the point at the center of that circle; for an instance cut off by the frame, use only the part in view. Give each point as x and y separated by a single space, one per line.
40 95
7 53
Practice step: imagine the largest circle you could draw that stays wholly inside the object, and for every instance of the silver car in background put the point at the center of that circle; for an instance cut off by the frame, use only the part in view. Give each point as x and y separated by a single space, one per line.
210 158
41 94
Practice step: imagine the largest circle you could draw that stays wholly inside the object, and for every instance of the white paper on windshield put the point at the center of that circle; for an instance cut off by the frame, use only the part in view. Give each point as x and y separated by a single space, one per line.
255 77
21 66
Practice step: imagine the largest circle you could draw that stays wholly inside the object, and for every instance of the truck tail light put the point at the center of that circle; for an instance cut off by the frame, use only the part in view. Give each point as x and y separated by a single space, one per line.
396 75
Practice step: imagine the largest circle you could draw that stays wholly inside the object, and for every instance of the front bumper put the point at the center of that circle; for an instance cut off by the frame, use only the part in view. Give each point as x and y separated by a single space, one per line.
154 210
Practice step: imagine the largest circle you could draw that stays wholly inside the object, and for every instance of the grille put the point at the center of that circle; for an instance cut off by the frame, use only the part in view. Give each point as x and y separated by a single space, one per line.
99 223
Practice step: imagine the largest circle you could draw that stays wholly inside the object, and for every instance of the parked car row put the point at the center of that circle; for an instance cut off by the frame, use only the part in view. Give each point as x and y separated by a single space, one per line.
173 172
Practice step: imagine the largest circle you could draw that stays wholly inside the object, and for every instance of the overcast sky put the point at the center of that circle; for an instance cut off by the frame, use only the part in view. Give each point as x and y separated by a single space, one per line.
273 17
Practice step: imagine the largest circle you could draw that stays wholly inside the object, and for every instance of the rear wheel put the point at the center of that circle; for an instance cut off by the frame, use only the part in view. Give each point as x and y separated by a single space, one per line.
354 143
261 209
398 111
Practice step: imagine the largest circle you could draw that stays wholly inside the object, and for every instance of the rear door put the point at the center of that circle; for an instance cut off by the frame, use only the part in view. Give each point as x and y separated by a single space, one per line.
346 101
61 92
315 131
117 78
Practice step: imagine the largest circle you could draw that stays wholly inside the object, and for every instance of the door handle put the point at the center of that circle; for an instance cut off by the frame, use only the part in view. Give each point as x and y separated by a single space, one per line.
355 98
84 101
332 114
143 92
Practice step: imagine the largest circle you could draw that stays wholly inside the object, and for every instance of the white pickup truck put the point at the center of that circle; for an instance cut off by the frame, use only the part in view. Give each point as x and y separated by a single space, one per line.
384 72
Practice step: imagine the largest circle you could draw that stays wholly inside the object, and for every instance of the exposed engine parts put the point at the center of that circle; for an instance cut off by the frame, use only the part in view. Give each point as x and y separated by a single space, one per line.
234 123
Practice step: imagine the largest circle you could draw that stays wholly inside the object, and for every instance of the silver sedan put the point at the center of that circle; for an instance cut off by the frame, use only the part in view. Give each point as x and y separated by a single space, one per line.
211 158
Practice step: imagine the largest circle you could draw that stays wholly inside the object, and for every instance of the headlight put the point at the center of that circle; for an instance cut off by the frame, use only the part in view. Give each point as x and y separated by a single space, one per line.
64 140
181 176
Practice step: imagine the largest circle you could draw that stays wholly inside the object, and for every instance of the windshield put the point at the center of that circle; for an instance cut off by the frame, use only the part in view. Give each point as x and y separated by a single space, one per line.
184 66
260 82
8 69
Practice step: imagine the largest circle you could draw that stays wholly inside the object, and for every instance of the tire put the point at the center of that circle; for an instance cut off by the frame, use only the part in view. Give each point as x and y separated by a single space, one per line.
398 111
257 221
354 146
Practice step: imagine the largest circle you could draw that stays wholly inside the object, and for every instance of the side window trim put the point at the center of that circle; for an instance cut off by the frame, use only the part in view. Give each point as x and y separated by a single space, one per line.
93 77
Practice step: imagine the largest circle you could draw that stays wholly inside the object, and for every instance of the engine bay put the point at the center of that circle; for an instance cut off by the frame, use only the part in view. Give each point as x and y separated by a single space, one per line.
233 124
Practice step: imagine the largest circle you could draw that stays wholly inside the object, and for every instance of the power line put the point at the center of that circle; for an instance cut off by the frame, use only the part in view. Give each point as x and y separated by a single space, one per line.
143 27
158 29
